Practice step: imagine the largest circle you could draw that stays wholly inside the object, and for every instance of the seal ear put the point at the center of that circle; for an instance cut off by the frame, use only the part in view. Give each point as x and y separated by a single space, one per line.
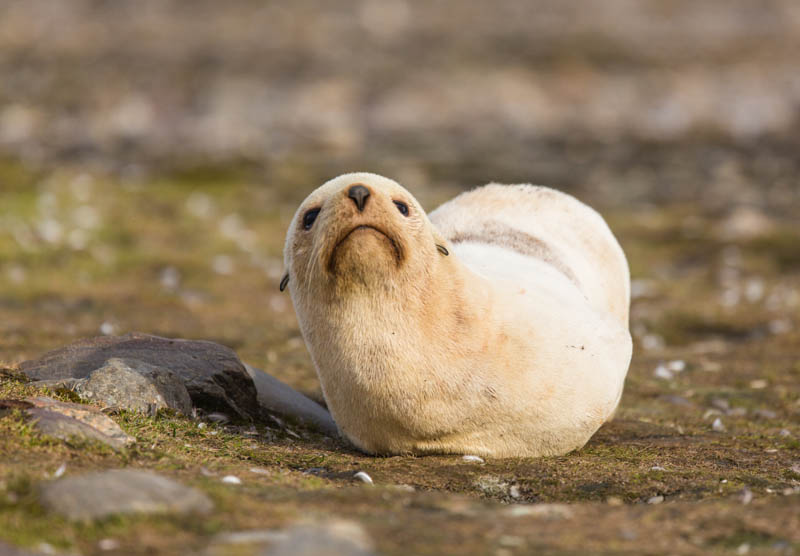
442 249
284 281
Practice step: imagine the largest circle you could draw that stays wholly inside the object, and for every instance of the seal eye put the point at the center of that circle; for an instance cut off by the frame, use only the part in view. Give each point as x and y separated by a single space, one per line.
402 207
309 217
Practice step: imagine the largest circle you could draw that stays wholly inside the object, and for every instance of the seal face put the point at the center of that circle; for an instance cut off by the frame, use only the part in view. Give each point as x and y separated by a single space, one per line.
498 326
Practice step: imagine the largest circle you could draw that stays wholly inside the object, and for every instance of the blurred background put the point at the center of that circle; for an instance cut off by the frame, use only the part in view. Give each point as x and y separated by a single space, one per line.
152 153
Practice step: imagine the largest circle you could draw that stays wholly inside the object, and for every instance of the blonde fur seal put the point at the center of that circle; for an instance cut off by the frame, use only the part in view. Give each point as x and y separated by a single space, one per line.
516 344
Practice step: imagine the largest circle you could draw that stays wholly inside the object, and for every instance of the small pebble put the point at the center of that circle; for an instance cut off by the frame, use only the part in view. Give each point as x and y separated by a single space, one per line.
511 541
657 468
363 477
46 548
678 365
257 536
222 264
717 425
652 342
655 499
108 544
758 384
514 492
259 470
743 548
218 418
663 372
784 433
106 329
231 480
721 404
60 471
765 413
745 496
476 459
710 412
170 278
201 425
780 326
614 501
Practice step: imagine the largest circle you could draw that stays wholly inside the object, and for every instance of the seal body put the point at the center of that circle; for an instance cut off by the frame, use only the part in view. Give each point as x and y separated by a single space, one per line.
497 326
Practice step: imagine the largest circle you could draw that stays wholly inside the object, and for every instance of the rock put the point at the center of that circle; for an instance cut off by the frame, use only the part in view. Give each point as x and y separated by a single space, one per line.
765 413
212 374
676 400
120 491
546 511
662 372
277 397
363 477
136 385
745 496
336 537
255 536
69 420
129 384
745 223
8 550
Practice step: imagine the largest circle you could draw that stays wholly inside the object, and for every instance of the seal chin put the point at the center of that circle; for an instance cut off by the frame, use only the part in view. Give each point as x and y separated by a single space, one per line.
363 246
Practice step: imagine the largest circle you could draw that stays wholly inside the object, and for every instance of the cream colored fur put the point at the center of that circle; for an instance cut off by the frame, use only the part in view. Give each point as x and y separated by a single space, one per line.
516 344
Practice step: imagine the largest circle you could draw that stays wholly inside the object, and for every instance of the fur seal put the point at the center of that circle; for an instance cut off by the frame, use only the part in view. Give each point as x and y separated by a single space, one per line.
496 326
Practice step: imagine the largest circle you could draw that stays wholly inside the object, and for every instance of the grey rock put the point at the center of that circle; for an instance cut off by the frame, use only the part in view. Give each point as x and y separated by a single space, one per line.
333 538
546 511
120 491
765 413
277 397
213 375
68 421
135 385
676 400
8 550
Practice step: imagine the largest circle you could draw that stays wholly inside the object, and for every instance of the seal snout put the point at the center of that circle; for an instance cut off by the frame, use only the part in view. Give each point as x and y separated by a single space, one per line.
359 193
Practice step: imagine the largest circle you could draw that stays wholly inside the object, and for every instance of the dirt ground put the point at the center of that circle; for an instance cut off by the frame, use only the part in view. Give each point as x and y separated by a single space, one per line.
151 158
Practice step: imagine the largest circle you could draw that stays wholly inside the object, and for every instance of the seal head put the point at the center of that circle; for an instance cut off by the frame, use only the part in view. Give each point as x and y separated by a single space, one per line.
356 233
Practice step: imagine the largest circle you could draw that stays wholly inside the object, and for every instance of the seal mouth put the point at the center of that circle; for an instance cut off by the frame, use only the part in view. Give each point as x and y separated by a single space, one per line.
397 251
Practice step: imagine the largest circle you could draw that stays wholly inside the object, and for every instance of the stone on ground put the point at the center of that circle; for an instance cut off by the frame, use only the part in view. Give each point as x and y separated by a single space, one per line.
212 374
277 397
69 421
136 385
334 538
8 550
120 491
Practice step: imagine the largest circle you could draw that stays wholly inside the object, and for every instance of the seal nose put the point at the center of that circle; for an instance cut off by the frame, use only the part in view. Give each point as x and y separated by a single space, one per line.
359 194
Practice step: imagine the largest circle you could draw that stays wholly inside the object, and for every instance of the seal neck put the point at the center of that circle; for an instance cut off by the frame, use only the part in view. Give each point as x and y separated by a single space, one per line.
402 327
